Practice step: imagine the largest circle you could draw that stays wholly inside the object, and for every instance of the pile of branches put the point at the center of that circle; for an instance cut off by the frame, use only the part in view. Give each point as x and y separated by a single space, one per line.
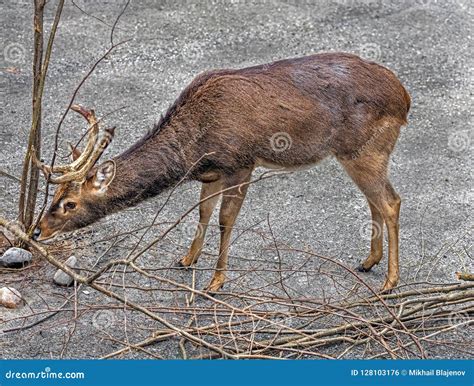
358 323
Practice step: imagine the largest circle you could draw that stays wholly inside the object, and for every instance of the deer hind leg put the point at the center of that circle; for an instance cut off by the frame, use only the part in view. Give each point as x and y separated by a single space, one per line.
376 240
392 215
369 172
205 212
232 200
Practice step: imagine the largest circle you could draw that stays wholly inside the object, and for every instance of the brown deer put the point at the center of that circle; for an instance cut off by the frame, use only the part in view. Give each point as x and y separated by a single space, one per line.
284 115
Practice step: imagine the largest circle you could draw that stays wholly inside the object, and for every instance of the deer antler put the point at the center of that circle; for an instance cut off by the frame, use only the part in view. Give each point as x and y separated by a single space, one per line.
78 169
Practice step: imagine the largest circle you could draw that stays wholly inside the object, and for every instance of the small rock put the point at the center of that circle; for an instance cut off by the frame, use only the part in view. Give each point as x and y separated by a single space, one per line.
15 258
10 297
62 278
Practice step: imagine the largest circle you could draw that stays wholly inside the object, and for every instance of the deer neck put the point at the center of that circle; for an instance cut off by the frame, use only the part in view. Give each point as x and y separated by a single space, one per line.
146 169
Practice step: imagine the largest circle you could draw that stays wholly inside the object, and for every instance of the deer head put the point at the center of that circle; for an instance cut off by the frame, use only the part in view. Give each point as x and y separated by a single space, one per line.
81 184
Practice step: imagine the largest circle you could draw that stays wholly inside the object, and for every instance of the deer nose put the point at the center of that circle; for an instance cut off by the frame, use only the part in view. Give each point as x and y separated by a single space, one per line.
36 233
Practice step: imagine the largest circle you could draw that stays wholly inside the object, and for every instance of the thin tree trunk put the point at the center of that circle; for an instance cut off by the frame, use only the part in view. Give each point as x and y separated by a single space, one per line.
26 205
25 208
36 128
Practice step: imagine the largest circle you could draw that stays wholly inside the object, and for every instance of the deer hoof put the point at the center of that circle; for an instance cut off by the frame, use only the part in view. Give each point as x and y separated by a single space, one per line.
388 287
361 268
185 262
215 285
385 291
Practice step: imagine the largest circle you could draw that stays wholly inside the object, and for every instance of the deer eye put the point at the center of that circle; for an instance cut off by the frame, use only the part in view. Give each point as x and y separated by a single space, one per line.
70 205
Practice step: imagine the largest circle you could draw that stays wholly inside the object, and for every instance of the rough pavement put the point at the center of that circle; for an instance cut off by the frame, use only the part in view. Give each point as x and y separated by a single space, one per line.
427 43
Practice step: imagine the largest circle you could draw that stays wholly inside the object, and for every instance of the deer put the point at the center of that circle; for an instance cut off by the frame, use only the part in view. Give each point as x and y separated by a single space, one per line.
286 115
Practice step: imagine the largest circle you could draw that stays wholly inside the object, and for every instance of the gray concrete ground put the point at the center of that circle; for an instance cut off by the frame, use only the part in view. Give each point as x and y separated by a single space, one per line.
426 42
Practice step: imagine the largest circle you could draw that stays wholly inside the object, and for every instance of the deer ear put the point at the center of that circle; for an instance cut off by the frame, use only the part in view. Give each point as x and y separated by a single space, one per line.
75 152
104 175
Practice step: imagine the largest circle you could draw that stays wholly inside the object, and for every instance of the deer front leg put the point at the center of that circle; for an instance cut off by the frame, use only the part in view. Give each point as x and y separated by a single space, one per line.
232 200
205 212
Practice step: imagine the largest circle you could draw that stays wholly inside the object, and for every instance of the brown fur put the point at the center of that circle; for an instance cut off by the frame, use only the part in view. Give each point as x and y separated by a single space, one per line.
224 124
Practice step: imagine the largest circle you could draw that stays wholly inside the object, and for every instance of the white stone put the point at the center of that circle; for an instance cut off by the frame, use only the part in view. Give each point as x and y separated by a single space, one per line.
15 258
62 278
